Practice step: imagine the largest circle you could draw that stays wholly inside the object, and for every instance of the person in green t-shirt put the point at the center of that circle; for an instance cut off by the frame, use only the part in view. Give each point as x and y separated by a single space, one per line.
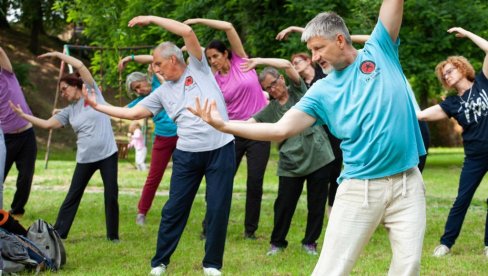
303 157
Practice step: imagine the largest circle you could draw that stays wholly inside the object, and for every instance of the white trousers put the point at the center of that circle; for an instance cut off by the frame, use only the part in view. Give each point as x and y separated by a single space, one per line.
397 202
141 159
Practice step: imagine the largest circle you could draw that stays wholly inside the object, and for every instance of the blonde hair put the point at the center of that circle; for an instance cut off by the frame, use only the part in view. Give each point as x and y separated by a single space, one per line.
133 126
460 63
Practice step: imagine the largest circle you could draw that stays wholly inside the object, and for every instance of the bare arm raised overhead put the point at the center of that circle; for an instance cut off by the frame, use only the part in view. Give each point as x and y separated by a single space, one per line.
85 74
5 61
175 27
278 63
391 14
230 31
142 59
283 34
479 41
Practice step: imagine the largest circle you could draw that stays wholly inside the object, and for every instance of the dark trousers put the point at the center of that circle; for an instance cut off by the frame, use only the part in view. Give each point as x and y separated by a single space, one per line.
21 149
218 167
289 191
474 169
83 173
335 166
424 130
257 155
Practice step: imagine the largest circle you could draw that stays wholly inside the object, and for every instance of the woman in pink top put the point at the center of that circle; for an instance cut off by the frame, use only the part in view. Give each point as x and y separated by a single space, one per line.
244 98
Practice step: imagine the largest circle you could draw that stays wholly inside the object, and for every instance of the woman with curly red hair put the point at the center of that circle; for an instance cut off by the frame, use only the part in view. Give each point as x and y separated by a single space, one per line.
469 106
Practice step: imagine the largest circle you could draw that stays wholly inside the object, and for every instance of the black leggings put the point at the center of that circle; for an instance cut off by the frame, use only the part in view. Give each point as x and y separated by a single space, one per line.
81 176
21 150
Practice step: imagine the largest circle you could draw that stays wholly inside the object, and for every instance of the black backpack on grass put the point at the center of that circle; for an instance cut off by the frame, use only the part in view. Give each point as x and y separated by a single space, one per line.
19 253
49 241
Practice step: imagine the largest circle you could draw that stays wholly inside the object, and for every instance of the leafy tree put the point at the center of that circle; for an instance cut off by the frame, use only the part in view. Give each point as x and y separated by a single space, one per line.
424 41
4 4
35 15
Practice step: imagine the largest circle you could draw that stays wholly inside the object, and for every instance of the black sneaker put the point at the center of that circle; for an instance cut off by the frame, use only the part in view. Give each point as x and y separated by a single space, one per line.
250 236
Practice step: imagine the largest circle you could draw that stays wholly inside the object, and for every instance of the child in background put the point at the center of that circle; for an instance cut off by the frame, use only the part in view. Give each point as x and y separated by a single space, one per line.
137 141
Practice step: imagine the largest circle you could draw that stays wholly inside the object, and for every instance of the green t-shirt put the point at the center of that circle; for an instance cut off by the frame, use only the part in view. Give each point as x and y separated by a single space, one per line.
305 152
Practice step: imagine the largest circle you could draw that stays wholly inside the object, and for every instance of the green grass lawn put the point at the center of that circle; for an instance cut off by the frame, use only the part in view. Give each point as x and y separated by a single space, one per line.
90 254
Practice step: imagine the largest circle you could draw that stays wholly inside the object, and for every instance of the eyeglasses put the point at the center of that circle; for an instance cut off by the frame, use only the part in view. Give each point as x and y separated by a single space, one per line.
64 88
297 61
272 84
448 72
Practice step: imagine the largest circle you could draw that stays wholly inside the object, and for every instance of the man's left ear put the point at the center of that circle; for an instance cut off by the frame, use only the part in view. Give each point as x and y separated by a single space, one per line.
341 41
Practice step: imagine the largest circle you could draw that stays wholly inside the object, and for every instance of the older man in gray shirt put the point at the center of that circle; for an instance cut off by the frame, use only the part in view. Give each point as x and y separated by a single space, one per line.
200 150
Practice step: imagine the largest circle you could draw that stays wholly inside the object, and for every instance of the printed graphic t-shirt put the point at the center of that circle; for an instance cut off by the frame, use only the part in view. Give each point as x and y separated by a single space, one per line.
471 111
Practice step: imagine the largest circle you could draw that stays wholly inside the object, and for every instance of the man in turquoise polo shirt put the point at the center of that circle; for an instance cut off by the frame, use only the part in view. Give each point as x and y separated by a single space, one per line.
366 102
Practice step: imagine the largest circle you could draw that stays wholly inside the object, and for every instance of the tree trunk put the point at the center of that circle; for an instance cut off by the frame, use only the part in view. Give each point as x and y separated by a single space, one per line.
3 15
36 27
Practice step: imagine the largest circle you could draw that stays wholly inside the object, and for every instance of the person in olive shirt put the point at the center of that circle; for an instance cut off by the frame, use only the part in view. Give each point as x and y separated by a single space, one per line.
306 156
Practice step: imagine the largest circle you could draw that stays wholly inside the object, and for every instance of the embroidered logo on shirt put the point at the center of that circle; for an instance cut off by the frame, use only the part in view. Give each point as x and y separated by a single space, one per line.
188 81
367 67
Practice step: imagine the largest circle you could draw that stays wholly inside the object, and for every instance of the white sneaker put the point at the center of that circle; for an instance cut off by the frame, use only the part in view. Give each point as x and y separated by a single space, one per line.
210 271
158 270
486 251
141 219
441 251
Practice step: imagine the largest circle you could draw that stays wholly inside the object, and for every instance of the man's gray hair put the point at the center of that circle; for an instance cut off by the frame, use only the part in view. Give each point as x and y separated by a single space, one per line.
132 77
326 25
268 71
168 49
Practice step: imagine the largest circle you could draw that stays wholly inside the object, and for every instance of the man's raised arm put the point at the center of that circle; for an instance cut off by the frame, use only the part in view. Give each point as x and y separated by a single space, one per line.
186 32
391 14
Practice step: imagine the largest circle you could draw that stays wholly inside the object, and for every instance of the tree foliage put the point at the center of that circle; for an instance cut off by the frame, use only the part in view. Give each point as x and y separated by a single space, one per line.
35 15
424 40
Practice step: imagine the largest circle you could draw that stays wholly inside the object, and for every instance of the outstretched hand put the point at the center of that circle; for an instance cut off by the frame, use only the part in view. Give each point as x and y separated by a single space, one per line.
208 112
460 32
248 64
16 108
142 20
90 97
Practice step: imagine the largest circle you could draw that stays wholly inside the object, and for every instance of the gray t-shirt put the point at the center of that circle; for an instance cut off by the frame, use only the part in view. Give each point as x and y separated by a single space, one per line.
95 137
194 135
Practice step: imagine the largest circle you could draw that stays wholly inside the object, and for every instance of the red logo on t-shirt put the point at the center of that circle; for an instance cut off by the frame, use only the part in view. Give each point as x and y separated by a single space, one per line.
367 67
188 81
